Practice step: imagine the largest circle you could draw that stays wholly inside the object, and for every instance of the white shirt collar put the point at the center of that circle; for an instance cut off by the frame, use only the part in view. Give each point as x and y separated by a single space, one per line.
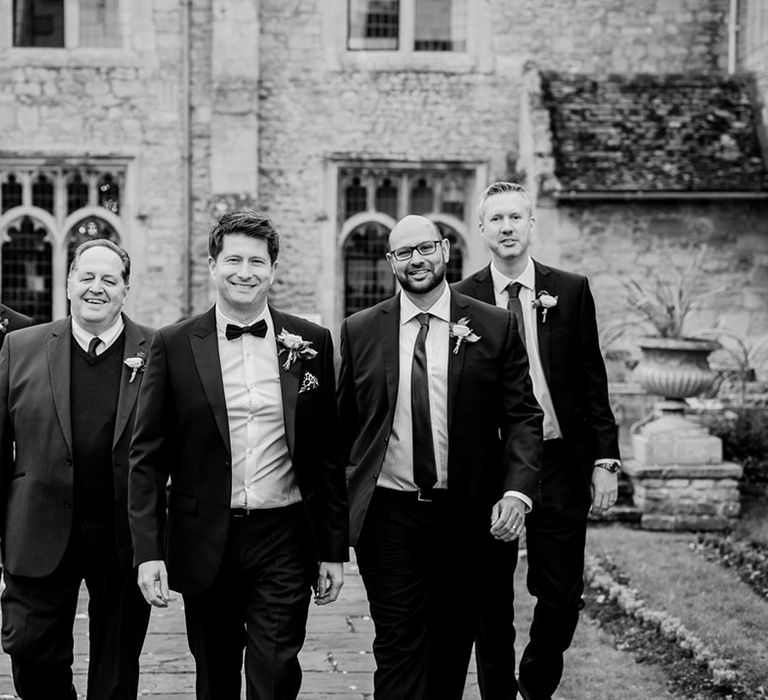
441 308
222 319
527 277
109 336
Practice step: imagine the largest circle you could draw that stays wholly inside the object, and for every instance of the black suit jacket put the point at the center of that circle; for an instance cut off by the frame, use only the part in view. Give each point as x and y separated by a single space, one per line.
570 357
494 422
14 319
183 432
36 483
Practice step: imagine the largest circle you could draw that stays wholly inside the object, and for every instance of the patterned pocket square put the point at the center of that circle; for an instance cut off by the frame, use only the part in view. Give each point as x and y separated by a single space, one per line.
308 382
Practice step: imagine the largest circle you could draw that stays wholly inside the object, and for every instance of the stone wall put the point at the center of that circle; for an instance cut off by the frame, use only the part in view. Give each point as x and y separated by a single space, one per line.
608 241
125 103
318 103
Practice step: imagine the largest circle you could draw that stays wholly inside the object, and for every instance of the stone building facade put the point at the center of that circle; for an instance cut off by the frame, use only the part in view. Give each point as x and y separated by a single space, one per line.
199 106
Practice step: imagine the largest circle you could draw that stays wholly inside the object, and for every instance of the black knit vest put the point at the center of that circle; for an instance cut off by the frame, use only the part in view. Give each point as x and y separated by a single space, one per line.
95 388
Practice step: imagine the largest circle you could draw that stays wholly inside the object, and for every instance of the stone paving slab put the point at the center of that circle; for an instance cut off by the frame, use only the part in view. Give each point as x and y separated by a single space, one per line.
337 659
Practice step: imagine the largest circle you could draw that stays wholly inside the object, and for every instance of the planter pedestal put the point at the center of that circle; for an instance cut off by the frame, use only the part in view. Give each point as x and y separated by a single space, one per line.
680 481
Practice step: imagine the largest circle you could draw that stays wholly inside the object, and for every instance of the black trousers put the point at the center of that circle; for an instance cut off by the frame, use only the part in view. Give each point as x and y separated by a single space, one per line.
556 535
259 603
422 591
39 613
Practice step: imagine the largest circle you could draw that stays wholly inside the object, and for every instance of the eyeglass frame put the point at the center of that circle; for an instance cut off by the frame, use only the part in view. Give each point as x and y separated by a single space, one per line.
412 248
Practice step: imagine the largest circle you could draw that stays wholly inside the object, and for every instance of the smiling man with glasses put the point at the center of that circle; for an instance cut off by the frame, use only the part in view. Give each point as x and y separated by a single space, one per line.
444 440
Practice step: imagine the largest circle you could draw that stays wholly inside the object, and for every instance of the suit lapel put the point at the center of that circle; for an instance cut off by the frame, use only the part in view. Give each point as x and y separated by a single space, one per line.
59 369
135 343
455 360
484 286
544 281
289 380
389 335
205 351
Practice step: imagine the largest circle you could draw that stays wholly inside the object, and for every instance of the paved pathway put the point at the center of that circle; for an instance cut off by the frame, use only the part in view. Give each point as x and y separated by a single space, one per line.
337 661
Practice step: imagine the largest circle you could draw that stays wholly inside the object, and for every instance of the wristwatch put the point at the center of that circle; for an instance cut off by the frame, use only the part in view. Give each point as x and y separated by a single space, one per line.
612 467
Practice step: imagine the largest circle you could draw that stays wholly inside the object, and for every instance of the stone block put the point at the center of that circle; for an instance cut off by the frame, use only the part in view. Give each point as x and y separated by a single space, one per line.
677 449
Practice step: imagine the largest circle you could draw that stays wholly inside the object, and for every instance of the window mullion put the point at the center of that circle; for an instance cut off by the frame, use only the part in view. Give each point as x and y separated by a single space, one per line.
407 25
71 23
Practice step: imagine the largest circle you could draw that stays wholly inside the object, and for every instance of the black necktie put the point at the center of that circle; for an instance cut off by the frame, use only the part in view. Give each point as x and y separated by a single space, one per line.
93 345
259 329
424 469
513 289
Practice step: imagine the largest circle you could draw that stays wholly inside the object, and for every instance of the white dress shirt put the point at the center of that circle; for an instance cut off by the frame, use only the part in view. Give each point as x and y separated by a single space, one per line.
397 469
262 471
540 388
527 295
108 337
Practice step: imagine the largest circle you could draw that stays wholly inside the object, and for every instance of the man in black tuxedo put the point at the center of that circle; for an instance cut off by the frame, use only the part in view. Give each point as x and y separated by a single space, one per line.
444 444
556 315
68 394
11 320
238 408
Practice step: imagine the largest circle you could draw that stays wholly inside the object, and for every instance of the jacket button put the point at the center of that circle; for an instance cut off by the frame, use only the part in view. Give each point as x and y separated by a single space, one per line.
67 505
69 462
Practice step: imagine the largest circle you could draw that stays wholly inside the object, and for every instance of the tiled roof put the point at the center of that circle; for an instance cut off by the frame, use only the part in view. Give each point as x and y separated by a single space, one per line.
654 133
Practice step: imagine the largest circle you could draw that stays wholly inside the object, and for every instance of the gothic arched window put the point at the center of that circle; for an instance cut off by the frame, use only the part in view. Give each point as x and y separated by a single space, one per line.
42 193
11 194
87 230
368 278
27 270
77 193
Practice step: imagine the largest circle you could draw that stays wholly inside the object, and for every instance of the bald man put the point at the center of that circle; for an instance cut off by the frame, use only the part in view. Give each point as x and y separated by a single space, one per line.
443 456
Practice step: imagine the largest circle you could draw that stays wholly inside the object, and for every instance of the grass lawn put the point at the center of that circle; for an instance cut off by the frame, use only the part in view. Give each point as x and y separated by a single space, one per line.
594 668
709 600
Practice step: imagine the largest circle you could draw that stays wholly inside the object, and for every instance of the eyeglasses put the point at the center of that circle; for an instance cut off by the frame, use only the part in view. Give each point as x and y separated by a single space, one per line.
406 252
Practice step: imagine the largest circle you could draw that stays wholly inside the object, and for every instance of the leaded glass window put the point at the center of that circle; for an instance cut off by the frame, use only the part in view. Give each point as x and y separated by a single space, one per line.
27 270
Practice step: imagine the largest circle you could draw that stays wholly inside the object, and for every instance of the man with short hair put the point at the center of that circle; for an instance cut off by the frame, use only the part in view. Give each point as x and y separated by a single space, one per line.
68 394
555 313
444 441
238 408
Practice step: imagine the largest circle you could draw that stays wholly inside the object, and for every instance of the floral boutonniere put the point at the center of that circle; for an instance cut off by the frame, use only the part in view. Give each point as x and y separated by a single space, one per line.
3 325
544 301
295 346
461 331
136 364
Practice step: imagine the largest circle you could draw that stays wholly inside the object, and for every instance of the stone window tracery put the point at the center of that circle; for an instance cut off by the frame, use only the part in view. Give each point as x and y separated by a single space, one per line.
47 211
379 196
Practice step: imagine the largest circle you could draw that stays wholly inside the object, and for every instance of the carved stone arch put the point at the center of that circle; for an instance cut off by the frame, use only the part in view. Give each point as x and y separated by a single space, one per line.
14 215
455 231
93 212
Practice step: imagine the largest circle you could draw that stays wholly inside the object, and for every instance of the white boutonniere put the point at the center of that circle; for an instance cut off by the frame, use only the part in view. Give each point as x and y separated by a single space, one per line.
461 331
544 301
295 346
136 364
4 325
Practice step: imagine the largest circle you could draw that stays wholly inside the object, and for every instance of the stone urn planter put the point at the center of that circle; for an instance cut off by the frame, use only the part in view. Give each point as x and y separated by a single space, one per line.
675 368
679 479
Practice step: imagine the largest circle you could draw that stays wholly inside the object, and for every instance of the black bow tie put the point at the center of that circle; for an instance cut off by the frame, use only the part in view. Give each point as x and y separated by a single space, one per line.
258 329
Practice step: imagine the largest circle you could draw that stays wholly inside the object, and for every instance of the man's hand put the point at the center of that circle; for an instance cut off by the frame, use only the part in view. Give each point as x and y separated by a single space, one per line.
330 579
605 489
153 582
507 519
